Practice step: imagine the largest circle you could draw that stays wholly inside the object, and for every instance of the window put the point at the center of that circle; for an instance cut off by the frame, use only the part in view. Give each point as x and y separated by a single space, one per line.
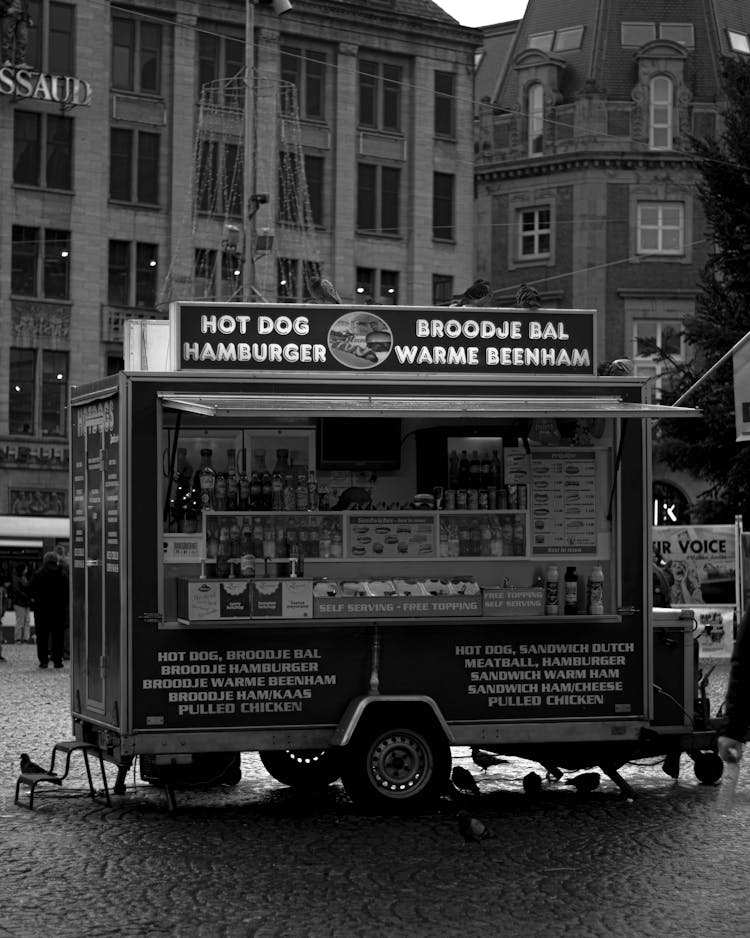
51 37
212 282
40 263
42 150
305 70
365 290
442 289
542 41
443 206
678 32
637 34
567 39
38 392
660 113
388 287
134 166
300 196
534 232
132 274
378 199
658 346
445 104
221 70
377 286
661 228
380 95
738 42
136 55
535 118
293 279
219 184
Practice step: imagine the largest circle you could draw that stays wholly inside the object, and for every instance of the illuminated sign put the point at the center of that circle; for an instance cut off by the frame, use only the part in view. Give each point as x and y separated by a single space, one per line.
377 339
39 86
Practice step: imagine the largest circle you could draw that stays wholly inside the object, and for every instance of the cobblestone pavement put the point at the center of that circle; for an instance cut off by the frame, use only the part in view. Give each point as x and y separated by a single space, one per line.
259 860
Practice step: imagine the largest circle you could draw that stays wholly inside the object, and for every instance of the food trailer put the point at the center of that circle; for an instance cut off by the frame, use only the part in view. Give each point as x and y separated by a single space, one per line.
352 537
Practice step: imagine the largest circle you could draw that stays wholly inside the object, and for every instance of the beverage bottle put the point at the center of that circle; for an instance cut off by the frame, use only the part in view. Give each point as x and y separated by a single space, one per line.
235 538
212 542
496 468
453 470
464 540
443 540
204 482
257 538
552 596
181 494
247 557
233 482
596 591
223 553
266 497
324 545
301 490
282 462
475 470
463 470
476 539
289 495
507 536
571 592
519 536
256 491
312 491
281 545
485 468
337 546
243 485
314 537
304 541
220 492
454 547
486 541
269 540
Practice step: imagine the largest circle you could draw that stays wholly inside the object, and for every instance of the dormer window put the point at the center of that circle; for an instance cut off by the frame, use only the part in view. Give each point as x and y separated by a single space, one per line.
535 112
661 94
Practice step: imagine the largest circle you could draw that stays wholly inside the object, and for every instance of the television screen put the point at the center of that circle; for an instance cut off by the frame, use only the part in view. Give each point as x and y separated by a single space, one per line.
359 443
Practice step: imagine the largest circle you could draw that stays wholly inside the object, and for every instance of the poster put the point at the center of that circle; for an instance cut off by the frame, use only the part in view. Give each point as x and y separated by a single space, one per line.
699 562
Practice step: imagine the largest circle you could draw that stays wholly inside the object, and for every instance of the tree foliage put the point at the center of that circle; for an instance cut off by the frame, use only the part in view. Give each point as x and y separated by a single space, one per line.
707 448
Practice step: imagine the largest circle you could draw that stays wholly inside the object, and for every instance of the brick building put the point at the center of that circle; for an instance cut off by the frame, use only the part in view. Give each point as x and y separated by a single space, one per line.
129 179
585 184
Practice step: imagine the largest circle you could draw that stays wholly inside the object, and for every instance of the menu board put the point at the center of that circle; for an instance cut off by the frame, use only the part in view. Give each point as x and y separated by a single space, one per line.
386 536
564 502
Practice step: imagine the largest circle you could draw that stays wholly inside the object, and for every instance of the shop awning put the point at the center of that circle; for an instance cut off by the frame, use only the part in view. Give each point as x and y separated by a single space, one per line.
295 405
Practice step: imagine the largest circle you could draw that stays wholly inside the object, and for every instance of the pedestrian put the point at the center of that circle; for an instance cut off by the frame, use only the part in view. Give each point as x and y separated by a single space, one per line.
49 589
737 703
21 602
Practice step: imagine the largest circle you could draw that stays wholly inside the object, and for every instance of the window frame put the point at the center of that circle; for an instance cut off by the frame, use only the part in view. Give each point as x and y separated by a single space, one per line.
41 367
634 25
137 268
307 69
660 113
537 233
43 154
379 200
142 55
139 171
738 42
648 365
380 101
444 118
43 267
58 57
444 207
535 119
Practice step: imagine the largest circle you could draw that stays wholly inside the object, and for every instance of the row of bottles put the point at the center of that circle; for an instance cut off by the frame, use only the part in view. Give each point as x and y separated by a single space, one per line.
594 592
244 540
474 472
486 537
286 488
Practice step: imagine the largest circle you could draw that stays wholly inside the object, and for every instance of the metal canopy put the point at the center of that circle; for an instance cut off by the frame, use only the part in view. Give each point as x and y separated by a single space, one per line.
293 405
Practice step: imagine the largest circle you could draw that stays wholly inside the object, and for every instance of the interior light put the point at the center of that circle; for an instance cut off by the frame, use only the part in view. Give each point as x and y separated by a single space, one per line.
152 263
64 253
59 376
17 387
360 289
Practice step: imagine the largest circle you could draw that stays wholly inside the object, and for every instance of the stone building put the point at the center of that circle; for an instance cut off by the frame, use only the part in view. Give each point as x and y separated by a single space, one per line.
135 172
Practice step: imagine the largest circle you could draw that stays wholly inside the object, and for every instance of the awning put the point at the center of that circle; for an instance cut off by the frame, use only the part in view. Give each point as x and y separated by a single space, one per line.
295 405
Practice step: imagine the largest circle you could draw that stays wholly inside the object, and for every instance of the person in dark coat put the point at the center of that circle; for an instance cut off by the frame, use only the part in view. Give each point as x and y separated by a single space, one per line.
737 705
49 590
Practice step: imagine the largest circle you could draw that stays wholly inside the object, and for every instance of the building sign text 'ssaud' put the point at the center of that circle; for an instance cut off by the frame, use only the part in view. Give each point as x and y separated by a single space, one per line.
221 337
40 86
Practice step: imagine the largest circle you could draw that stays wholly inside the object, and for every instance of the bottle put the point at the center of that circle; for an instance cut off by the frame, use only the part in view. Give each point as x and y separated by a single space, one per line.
243 485
463 470
220 491
475 536
324 500
596 591
301 490
324 545
453 470
312 491
464 539
337 546
475 470
485 470
255 496
496 469
204 482
282 462
552 598
571 592
289 495
486 541
257 538
519 536
212 541
247 557
181 495
235 538
223 554
233 482
269 540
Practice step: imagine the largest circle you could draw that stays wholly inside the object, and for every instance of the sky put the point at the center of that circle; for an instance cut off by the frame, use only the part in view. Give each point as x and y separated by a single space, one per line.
483 12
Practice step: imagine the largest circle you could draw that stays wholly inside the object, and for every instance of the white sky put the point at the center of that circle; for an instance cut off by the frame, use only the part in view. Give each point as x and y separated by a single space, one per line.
483 12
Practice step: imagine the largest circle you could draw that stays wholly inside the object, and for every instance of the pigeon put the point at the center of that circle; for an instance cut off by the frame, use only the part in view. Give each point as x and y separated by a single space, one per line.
323 291
528 297
31 768
478 291
464 780
585 783
532 784
485 759
472 829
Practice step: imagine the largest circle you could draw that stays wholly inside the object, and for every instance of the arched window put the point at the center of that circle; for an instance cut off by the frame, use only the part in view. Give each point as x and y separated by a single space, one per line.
535 112
660 113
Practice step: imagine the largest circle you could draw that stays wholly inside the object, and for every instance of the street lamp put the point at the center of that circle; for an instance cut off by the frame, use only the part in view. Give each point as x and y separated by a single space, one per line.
252 201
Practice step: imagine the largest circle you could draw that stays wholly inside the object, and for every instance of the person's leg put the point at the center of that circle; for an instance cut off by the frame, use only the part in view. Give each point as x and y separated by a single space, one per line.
26 624
21 613
57 645
42 641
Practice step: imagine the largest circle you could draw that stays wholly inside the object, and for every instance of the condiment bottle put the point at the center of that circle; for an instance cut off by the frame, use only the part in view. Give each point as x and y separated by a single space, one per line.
571 592
596 591
552 598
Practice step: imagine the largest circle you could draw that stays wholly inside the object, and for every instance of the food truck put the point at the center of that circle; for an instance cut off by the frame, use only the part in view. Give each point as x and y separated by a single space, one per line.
350 538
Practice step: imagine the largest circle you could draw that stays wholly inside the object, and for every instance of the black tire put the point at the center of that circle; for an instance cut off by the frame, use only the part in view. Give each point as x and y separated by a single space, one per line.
708 767
302 768
396 765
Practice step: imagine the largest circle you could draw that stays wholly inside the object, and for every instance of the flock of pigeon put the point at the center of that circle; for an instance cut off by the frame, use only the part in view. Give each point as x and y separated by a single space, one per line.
463 784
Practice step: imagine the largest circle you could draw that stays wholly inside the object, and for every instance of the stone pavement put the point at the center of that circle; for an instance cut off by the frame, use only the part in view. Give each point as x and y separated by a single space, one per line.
259 860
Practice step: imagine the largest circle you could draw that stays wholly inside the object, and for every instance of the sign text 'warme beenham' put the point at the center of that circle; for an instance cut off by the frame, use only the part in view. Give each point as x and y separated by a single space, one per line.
384 339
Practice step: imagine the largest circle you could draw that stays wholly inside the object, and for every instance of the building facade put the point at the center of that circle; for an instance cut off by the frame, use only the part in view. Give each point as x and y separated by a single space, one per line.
135 169
585 183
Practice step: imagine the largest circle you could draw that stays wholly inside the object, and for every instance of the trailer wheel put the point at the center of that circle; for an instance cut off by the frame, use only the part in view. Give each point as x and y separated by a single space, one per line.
396 767
708 767
308 768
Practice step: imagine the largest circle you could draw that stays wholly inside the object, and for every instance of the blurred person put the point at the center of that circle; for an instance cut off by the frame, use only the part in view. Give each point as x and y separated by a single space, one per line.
737 702
49 589
14 31
19 587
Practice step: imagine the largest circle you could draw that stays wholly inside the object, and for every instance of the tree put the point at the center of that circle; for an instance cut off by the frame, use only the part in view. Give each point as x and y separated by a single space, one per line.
707 448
